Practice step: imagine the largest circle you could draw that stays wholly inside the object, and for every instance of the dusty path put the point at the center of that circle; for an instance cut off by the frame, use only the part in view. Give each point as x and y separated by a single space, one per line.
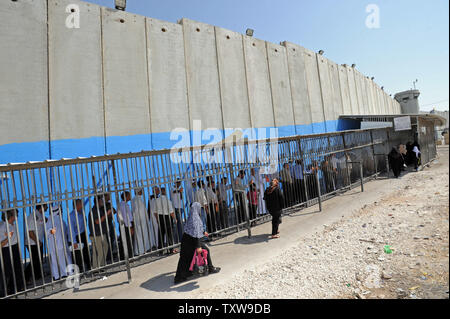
337 253
347 259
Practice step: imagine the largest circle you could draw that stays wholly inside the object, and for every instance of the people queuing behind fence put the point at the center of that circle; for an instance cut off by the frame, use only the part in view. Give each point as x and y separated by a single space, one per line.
222 196
161 224
253 200
177 202
34 242
142 224
98 229
58 243
287 183
162 207
239 199
259 182
11 267
126 216
79 237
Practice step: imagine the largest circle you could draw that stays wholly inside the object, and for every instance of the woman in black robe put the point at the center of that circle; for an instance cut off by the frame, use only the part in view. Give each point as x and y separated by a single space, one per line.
395 161
193 232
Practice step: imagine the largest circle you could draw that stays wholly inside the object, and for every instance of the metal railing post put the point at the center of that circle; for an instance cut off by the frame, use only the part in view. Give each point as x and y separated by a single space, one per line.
121 226
319 196
362 176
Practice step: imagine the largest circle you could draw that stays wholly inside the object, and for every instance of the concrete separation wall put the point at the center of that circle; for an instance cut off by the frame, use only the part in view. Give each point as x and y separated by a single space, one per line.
75 80
167 81
258 81
233 80
299 88
24 125
121 82
127 111
281 89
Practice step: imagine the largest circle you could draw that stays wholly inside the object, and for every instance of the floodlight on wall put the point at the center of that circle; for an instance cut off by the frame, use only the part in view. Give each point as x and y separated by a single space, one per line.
249 32
372 78
321 52
120 4
382 88
353 65
344 65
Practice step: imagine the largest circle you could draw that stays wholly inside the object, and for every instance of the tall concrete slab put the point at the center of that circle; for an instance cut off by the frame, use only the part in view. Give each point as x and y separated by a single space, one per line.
376 102
75 81
359 92
364 94
336 89
258 83
127 118
382 101
352 90
327 92
233 80
202 76
24 129
167 83
281 89
345 94
398 109
299 88
314 90
371 97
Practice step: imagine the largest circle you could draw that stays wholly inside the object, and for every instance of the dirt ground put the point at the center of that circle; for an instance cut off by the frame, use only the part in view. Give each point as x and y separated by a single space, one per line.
393 248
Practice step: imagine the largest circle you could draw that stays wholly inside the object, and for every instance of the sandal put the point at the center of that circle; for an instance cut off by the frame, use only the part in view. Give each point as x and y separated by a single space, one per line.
275 236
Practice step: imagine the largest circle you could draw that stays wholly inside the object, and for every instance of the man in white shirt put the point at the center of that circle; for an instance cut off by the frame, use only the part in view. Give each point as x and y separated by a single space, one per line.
35 224
162 207
11 259
141 224
126 216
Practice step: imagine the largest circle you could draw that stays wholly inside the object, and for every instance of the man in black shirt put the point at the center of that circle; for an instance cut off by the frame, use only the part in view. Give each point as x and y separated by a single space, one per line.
98 226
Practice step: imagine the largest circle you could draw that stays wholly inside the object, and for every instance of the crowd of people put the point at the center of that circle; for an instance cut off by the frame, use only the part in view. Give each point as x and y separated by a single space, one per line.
91 239
402 156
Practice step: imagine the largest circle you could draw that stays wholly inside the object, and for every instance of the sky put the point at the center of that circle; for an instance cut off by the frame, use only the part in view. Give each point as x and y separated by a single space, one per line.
411 41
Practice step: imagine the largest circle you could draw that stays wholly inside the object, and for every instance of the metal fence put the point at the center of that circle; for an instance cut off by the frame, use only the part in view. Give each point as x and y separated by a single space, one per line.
91 215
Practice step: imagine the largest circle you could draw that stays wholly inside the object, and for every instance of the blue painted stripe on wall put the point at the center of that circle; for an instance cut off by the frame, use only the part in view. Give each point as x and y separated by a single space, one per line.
95 146
24 152
83 147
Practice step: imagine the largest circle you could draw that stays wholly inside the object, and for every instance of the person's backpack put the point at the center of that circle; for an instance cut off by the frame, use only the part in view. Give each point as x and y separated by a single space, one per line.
199 263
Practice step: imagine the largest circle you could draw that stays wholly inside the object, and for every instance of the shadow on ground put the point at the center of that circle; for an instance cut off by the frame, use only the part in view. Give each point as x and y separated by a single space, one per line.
164 283
244 240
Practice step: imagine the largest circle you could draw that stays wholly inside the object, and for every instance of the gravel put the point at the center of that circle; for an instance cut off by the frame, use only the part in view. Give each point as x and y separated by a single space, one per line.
347 259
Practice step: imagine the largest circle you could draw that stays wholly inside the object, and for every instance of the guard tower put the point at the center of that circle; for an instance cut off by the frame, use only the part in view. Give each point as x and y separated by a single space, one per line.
409 101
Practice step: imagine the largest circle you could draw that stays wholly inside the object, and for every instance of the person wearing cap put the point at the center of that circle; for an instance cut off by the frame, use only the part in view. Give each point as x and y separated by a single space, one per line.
58 246
11 262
